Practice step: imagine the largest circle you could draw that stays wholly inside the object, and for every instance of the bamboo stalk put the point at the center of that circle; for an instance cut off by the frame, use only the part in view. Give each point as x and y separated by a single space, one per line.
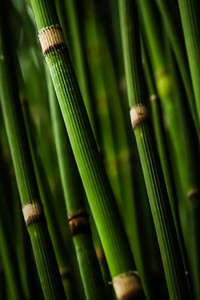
191 29
29 195
59 244
174 32
159 203
7 243
74 198
93 175
180 129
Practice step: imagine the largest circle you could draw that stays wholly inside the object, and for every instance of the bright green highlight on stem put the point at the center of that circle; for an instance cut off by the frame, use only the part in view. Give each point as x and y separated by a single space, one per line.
87 157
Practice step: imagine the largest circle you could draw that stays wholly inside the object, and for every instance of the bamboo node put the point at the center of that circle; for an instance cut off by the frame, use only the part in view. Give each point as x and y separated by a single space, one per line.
51 39
139 114
127 286
33 213
79 222
153 98
194 193
65 273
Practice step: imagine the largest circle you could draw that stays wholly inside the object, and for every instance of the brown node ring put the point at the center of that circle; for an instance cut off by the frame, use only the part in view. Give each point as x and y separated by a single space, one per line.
51 39
33 213
139 114
127 286
79 222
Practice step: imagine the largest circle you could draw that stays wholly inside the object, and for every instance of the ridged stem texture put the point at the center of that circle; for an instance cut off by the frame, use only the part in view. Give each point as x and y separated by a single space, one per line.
75 204
159 203
47 200
175 35
83 144
23 166
189 11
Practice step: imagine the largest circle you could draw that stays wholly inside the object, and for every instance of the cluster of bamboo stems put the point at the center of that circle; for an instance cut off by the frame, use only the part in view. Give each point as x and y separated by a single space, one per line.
99 149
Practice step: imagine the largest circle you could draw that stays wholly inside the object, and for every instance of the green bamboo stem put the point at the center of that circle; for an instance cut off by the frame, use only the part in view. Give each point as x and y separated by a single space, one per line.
74 198
7 244
135 214
29 195
94 42
178 124
191 29
159 203
93 175
70 13
174 33
188 174
162 145
47 200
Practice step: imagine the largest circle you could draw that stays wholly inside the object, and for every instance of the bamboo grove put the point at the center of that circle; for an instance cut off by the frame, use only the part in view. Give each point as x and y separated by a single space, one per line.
99 149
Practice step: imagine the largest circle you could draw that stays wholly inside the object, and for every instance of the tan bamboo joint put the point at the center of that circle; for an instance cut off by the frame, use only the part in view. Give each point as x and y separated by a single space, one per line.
79 222
51 39
139 114
33 213
127 286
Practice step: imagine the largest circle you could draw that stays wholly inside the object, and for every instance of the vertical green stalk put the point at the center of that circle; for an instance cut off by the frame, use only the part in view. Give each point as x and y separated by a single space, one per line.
162 145
181 133
69 11
47 200
174 32
74 199
86 154
159 203
23 166
7 242
189 11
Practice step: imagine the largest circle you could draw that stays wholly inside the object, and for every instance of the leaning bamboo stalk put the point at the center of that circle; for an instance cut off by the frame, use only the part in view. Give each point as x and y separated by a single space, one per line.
189 11
62 256
69 12
188 176
132 209
94 44
87 157
174 32
23 166
159 203
7 248
74 198
180 129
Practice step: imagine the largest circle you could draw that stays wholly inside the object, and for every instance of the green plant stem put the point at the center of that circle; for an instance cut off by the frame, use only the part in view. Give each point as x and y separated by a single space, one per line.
23 166
174 32
83 144
191 28
7 243
159 203
54 230
74 199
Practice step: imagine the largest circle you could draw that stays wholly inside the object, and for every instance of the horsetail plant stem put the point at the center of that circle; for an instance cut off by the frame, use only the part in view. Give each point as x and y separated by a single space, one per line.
179 128
74 198
191 27
161 140
161 211
96 185
23 166
132 210
8 256
47 200
175 36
